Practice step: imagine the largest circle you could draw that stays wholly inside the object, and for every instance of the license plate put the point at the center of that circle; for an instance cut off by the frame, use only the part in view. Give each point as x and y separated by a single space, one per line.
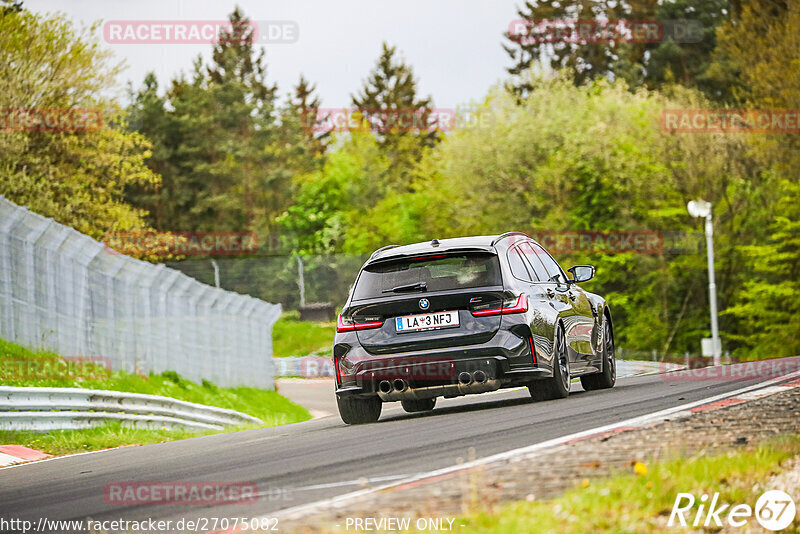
426 321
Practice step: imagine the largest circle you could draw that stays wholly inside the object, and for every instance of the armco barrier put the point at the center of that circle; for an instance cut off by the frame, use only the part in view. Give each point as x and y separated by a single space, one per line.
24 408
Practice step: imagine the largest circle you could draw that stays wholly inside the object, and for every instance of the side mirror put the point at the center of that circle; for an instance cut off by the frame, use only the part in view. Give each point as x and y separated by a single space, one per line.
581 273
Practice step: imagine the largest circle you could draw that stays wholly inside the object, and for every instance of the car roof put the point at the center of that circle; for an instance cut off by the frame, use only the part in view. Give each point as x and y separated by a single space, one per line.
480 242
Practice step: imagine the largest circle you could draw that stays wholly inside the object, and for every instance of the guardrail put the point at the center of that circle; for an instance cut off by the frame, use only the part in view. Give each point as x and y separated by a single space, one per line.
24 408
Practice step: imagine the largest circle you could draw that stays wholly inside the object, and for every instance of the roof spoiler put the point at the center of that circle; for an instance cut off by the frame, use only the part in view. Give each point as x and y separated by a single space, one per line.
507 234
459 250
382 249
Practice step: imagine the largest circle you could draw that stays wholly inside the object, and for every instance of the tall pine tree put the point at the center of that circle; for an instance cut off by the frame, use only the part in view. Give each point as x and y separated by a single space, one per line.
224 150
402 121
299 119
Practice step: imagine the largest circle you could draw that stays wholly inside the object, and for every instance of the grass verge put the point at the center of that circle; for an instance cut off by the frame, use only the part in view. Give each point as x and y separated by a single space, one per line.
22 367
642 503
293 337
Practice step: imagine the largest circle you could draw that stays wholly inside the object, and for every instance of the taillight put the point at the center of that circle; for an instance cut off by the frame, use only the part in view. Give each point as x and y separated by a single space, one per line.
520 306
348 325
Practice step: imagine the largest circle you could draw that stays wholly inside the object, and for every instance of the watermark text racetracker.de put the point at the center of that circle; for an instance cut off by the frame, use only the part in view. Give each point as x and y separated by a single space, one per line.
782 121
136 493
72 120
612 242
164 32
64 368
182 243
527 32
757 370
380 120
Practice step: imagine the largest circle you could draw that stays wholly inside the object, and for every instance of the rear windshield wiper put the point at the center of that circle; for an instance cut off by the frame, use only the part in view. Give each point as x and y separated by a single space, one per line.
418 286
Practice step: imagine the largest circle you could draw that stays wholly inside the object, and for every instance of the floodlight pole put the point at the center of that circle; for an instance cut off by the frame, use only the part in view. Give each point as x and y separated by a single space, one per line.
712 290
301 282
216 272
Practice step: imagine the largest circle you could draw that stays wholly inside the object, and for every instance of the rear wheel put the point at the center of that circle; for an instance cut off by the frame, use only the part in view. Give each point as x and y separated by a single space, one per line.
424 405
608 376
356 411
557 386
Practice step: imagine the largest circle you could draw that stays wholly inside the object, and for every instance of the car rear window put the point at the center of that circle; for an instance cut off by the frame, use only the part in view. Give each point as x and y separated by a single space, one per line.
437 272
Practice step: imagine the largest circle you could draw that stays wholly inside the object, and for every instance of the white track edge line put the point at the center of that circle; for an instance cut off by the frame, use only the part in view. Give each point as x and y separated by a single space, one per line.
635 421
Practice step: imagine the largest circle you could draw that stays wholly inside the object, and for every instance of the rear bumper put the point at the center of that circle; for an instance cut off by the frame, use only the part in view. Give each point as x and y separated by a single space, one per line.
503 361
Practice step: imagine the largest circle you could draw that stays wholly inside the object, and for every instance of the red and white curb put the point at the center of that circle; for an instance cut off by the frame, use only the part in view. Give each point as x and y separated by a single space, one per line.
756 391
747 396
17 454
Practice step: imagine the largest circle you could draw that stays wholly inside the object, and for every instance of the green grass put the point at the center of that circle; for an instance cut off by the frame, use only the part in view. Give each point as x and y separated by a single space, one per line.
293 337
22 367
632 503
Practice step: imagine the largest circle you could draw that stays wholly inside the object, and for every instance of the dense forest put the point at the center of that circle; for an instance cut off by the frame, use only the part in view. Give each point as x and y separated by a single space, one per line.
573 140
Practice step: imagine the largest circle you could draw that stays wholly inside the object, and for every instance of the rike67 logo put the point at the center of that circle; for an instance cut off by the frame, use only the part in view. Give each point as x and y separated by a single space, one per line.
774 510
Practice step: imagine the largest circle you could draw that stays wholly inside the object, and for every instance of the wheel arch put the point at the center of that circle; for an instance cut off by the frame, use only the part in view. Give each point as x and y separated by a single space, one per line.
607 316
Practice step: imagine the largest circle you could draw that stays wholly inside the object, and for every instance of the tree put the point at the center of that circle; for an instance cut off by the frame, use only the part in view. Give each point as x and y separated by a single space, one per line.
653 63
245 185
227 159
762 48
689 63
594 158
75 175
148 115
10 6
768 303
329 202
301 116
401 121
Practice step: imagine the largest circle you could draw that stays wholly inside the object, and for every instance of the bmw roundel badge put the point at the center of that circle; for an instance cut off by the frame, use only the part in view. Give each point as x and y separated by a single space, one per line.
424 304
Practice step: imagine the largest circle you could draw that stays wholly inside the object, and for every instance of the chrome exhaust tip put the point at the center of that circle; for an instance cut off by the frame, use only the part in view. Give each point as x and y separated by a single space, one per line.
400 385
385 386
464 378
480 377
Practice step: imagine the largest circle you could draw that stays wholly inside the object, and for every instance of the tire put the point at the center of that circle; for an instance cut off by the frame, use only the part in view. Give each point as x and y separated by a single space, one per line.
557 386
356 411
608 376
424 405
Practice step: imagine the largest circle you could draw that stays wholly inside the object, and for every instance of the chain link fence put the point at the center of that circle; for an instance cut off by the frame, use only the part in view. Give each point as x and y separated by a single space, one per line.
63 291
326 278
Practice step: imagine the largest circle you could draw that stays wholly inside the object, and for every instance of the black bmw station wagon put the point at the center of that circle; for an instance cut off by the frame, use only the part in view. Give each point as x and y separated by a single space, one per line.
467 315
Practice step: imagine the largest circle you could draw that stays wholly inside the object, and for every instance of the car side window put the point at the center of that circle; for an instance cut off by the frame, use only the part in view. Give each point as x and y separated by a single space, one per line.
554 272
517 264
534 263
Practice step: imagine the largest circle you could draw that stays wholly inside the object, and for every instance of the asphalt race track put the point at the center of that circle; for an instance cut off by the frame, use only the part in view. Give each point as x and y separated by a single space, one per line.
306 462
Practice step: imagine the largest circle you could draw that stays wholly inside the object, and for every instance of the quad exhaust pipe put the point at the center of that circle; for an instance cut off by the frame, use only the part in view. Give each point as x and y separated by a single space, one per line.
384 387
398 385
475 382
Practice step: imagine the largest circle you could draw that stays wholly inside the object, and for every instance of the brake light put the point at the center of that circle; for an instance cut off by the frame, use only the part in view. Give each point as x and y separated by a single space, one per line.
349 325
421 258
521 306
